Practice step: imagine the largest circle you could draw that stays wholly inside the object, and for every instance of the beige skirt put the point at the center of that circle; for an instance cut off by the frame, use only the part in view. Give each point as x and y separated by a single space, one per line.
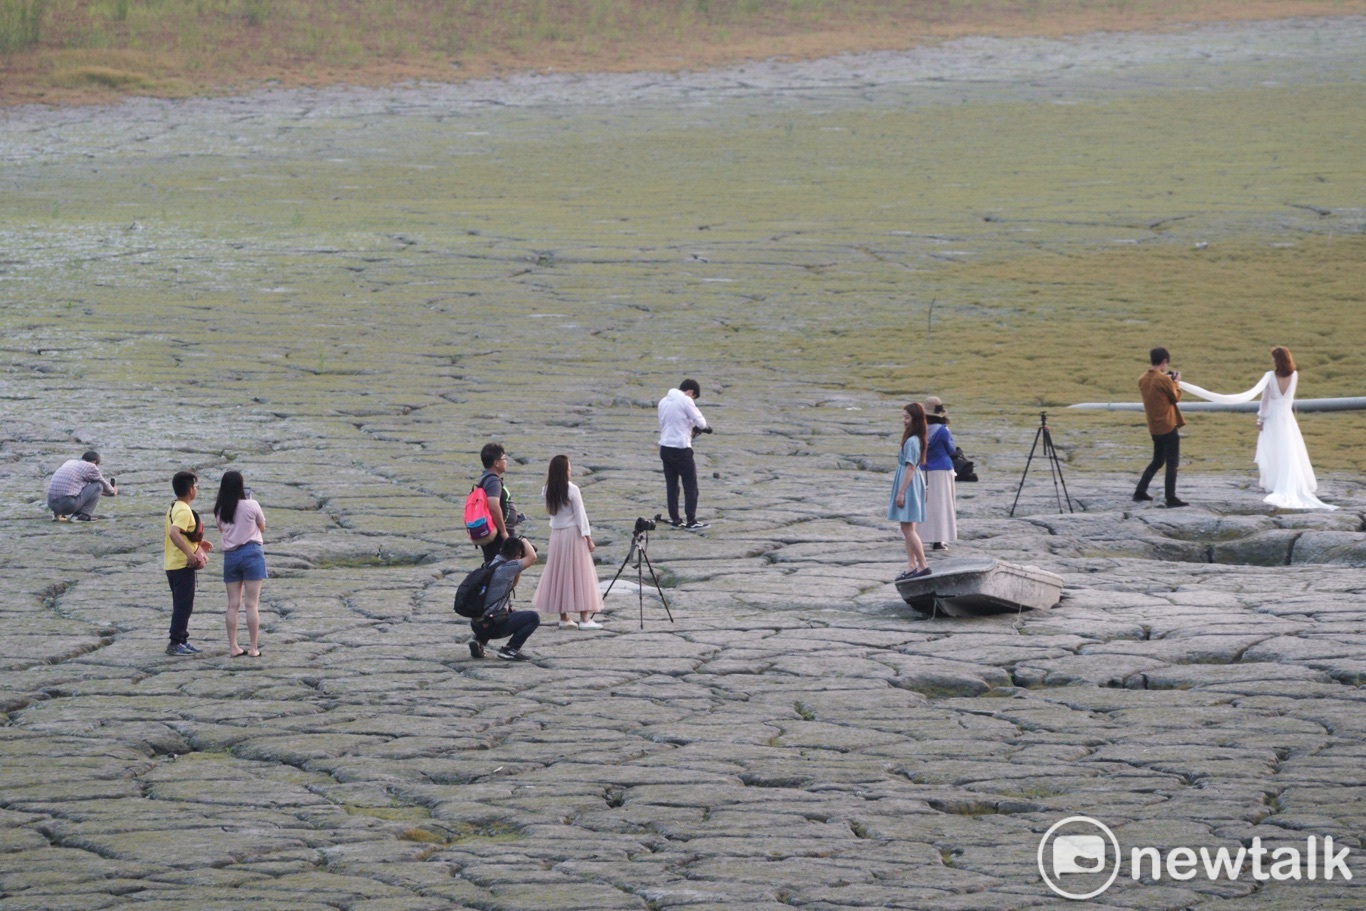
569 584
941 518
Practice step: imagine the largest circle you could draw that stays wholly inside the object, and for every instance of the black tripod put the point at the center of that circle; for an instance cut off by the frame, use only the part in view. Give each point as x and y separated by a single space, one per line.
1051 454
640 541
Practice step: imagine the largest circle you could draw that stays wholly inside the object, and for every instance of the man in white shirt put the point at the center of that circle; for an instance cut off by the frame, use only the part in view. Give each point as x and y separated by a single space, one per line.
680 421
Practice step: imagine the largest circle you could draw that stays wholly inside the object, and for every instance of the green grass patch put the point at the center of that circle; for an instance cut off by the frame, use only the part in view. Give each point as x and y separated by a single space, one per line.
21 24
423 836
102 76
998 248
489 832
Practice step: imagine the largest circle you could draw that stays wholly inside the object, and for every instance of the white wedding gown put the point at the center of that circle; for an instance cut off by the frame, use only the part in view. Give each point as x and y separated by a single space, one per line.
1281 457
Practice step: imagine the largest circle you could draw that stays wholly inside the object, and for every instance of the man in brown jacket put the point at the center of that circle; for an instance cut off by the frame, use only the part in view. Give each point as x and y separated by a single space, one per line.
1160 395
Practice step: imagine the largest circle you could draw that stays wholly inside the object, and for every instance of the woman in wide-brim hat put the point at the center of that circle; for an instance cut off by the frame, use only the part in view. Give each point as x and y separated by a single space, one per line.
940 527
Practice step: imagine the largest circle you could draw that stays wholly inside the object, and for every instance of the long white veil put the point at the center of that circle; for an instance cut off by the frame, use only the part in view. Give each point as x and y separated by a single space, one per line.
1235 399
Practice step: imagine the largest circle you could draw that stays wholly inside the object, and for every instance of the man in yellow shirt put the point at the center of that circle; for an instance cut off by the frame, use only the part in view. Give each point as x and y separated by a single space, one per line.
1160 395
186 552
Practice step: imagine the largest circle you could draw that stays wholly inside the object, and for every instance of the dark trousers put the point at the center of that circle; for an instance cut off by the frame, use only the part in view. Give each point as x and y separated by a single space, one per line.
679 465
518 624
491 548
182 602
1166 450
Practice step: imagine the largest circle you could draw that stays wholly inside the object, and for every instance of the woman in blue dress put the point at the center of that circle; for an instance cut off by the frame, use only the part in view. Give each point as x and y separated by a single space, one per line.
907 504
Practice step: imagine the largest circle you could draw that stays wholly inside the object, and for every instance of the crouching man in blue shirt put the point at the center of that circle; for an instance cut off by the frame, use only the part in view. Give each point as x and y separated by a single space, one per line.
497 622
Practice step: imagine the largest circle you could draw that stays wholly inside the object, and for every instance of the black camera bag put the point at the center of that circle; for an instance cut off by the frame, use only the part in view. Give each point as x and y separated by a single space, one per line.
962 466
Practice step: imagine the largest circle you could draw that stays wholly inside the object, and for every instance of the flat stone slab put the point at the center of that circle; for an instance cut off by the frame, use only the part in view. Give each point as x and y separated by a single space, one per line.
969 586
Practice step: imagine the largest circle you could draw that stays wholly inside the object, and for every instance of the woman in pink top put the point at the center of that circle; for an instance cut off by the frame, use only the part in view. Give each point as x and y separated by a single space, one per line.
241 521
570 582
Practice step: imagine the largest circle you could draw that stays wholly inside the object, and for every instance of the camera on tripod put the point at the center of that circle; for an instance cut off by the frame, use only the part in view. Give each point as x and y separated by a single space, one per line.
1050 454
640 541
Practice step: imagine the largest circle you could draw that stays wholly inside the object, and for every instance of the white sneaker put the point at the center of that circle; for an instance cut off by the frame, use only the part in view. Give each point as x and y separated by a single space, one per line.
568 624
589 624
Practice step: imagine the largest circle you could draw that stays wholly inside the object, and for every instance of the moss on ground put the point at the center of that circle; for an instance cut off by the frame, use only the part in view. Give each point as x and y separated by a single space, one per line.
1010 248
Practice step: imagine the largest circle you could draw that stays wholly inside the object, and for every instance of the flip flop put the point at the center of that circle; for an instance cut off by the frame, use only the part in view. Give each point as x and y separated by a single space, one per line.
250 655
238 655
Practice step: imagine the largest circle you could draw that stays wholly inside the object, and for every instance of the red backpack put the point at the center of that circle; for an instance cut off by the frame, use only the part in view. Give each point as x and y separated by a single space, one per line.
478 519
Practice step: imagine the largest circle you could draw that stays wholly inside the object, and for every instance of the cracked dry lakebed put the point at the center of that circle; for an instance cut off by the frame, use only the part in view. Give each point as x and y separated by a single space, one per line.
345 293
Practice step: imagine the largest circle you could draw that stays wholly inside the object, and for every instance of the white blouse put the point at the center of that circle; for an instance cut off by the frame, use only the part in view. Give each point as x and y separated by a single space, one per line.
572 514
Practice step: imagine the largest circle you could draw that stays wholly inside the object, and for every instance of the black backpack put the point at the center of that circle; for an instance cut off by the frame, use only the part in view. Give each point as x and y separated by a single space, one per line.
963 467
469 597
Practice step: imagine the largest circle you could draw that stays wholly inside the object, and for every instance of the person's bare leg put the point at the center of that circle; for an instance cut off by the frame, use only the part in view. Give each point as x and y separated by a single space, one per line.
915 550
234 601
916 547
251 600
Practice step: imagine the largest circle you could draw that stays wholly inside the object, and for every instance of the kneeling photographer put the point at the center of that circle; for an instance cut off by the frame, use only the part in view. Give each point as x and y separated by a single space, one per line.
497 621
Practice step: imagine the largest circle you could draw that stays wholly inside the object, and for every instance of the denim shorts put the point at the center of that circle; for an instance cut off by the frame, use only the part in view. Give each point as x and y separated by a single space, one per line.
245 564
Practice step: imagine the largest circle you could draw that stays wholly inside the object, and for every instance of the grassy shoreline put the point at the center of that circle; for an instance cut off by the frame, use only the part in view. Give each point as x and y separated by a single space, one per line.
93 51
1011 244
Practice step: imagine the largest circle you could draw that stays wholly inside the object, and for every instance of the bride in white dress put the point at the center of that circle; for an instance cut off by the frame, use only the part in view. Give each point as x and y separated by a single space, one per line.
1281 457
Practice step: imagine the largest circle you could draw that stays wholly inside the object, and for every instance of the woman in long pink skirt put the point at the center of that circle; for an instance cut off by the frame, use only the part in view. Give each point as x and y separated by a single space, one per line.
570 581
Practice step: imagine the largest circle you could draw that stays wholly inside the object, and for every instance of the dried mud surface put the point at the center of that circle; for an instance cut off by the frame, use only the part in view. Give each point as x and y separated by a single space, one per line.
344 293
